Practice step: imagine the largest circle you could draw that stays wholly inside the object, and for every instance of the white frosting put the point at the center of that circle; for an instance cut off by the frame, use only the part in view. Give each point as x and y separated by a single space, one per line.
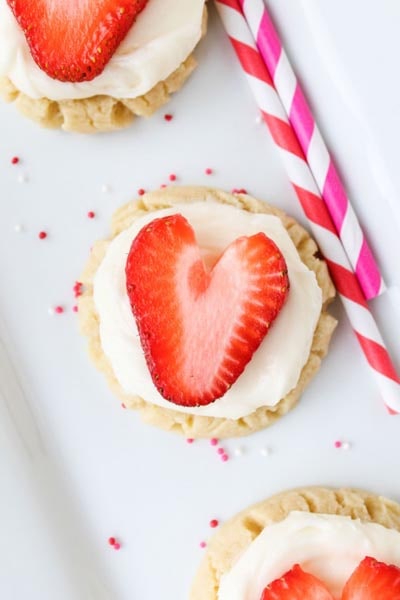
275 367
162 37
329 547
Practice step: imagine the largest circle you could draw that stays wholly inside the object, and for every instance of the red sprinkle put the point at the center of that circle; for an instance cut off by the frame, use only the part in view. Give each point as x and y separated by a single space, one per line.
220 451
15 160
141 191
214 442
190 440
91 214
75 308
117 546
168 117
163 185
224 457
214 523
202 544
239 191
208 171
172 177
111 541
123 405
59 310
338 444
42 235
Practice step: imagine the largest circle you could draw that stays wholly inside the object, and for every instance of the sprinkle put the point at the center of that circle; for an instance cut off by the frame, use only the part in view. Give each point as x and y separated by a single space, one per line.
238 451
208 171
163 185
42 235
189 440
239 191
22 178
168 117
75 308
258 119
117 546
224 457
202 544
15 160
91 214
172 177
346 446
18 228
141 191
214 523
338 444
220 451
265 451
214 442
51 311
105 189
112 541
123 405
59 310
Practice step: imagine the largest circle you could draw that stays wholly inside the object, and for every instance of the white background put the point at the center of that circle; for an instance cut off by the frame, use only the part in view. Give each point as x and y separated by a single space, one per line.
74 467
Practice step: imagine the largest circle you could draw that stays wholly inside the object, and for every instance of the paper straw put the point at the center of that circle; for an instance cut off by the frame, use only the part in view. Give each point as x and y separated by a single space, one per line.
318 157
324 231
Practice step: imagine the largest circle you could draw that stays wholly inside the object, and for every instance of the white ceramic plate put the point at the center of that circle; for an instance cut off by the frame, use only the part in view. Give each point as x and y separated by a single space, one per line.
75 468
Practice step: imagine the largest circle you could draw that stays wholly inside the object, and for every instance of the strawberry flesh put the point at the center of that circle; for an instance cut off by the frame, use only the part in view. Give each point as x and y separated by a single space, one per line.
73 40
373 580
296 584
199 328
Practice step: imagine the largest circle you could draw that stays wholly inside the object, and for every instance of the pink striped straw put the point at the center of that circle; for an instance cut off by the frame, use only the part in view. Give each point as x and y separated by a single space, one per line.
318 157
322 226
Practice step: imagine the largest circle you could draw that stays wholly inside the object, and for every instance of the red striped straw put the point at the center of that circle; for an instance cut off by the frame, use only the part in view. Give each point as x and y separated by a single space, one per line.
318 157
321 223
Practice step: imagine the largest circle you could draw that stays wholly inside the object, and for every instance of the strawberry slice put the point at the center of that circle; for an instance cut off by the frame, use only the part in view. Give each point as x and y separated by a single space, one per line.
373 580
73 40
200 328
296 584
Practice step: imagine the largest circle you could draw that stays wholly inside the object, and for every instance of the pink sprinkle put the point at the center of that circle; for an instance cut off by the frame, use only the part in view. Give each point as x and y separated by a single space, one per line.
123 405
208 171
224 457
15 160
214 523
163 185
42 235
75 308
190 440
202 544
111 541
91 214
172 177
220 451
239 191
117 546
213 441
59 310
338 444
168 117
141 191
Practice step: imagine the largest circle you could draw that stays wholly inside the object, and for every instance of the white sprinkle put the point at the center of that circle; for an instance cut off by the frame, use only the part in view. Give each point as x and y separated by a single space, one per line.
105 188
18 228
258 119
51 311
265 451
346 445
22 178
238 451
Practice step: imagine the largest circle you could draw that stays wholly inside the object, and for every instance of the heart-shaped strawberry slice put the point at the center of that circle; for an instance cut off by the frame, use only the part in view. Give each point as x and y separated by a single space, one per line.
200 328
73 40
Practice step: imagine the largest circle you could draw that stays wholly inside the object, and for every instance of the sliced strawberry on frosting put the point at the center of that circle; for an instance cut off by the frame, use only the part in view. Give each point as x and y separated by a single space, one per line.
73 40
200 328
373 580
296 584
